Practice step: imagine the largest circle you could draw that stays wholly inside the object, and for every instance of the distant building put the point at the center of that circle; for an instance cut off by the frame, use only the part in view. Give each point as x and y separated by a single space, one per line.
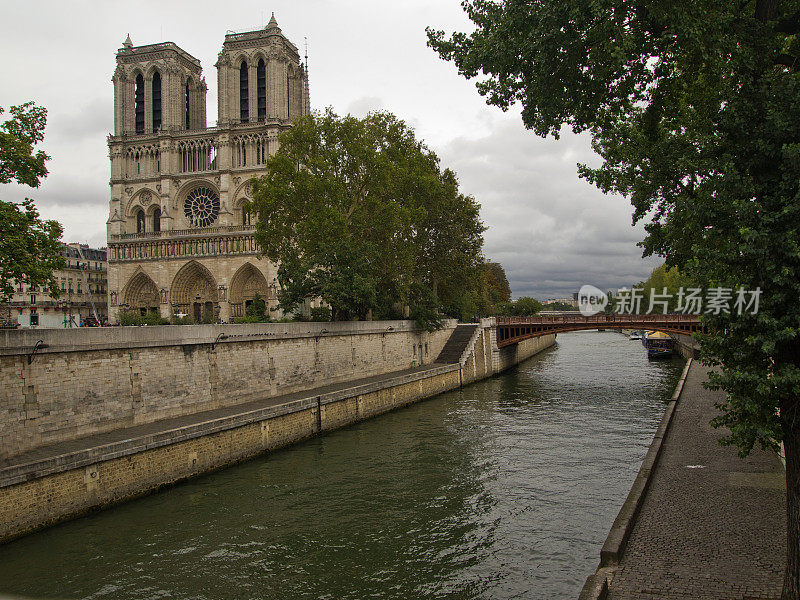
84 291
571 301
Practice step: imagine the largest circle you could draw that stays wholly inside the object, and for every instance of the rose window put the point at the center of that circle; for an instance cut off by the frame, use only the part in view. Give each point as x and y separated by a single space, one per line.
201 207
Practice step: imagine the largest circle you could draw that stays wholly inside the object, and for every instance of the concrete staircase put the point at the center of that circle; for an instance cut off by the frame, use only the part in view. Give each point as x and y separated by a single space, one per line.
457 344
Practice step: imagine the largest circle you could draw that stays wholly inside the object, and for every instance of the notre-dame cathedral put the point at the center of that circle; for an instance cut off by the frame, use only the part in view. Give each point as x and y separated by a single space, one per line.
180 240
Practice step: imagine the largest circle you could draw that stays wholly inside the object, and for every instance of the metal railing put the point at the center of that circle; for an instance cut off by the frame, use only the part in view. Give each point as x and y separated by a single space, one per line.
579 319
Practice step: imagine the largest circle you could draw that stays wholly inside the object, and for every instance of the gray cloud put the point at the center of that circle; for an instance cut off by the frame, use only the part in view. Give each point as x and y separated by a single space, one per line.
552 231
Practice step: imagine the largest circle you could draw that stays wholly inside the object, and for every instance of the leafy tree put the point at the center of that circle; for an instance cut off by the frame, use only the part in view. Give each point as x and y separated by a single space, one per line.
321 314
522 307
496 285
695 109
359 213
558 306
663 278
257 307
30 248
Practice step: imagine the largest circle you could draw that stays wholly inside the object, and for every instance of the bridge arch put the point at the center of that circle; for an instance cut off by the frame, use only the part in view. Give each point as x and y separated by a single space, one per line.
511 330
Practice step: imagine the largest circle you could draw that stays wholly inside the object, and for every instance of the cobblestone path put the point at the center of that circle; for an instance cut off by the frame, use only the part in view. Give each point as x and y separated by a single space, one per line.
712 525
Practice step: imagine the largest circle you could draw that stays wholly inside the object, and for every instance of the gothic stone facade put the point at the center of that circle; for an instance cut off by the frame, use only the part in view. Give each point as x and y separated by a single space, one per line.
180 240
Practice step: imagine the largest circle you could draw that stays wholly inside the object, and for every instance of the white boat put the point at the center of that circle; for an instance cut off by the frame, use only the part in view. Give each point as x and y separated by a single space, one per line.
636 335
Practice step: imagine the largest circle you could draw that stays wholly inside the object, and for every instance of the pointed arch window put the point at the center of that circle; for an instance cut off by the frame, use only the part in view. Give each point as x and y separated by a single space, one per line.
139 103
156 101
157 219
244 94
261 76
140 221
188 114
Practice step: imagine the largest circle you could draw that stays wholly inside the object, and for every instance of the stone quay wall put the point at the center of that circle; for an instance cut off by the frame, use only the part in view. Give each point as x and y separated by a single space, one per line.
88 381
134 467
687 346
44 487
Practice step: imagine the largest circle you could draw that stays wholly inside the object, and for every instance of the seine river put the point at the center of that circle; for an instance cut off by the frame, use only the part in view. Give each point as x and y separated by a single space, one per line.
505 489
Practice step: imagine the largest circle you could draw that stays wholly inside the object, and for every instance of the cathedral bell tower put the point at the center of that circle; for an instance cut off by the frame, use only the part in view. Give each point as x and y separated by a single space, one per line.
180 233
261 78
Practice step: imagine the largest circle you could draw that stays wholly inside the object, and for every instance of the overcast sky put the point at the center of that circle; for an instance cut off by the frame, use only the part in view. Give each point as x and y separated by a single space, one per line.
552 231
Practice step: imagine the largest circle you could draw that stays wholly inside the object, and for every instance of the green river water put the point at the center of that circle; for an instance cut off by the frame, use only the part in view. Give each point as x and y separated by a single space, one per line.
504 489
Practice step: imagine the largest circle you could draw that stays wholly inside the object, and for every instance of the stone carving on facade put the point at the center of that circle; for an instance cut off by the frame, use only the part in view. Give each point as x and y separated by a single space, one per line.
113 298
158 188
164 294
129 191
223 293
145 197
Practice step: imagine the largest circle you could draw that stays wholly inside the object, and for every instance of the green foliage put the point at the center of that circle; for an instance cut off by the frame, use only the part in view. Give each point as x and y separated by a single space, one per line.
185 320
208 316
18 136
131 317
30 249
663 280
321 314
359 213
695 109
496 285
522 307
558 306
257 309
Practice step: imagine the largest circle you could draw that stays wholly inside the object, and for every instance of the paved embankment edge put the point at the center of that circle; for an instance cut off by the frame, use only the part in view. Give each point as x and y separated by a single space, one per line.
596 586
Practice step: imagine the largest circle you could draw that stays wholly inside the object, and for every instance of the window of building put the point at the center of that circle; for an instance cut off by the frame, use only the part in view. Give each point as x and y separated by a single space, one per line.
246 217
261 76
34 318
188 113
33 299
79 287
156 101
244 94
139 221
139 104
157 219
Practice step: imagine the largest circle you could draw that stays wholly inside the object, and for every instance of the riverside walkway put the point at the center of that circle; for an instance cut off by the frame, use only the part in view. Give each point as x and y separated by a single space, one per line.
711 524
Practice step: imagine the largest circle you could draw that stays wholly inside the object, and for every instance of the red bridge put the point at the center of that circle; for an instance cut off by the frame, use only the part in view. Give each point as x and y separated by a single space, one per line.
511 330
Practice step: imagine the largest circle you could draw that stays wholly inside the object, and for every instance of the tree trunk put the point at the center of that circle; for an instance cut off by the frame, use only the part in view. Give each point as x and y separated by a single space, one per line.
791 445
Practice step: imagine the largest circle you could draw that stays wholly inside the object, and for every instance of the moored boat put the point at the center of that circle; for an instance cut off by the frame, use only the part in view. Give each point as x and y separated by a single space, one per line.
658 344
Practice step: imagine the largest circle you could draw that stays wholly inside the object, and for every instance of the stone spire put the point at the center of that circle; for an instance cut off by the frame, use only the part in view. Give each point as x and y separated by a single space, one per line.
272 26
128 43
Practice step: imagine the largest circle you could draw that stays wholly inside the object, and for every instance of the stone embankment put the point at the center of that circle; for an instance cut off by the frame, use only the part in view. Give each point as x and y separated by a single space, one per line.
94 417
699 521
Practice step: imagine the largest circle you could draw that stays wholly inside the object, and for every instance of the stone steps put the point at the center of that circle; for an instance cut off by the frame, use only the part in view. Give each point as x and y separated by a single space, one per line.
456 344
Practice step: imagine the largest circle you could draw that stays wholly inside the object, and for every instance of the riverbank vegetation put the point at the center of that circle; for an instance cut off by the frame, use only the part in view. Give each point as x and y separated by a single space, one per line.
695 110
